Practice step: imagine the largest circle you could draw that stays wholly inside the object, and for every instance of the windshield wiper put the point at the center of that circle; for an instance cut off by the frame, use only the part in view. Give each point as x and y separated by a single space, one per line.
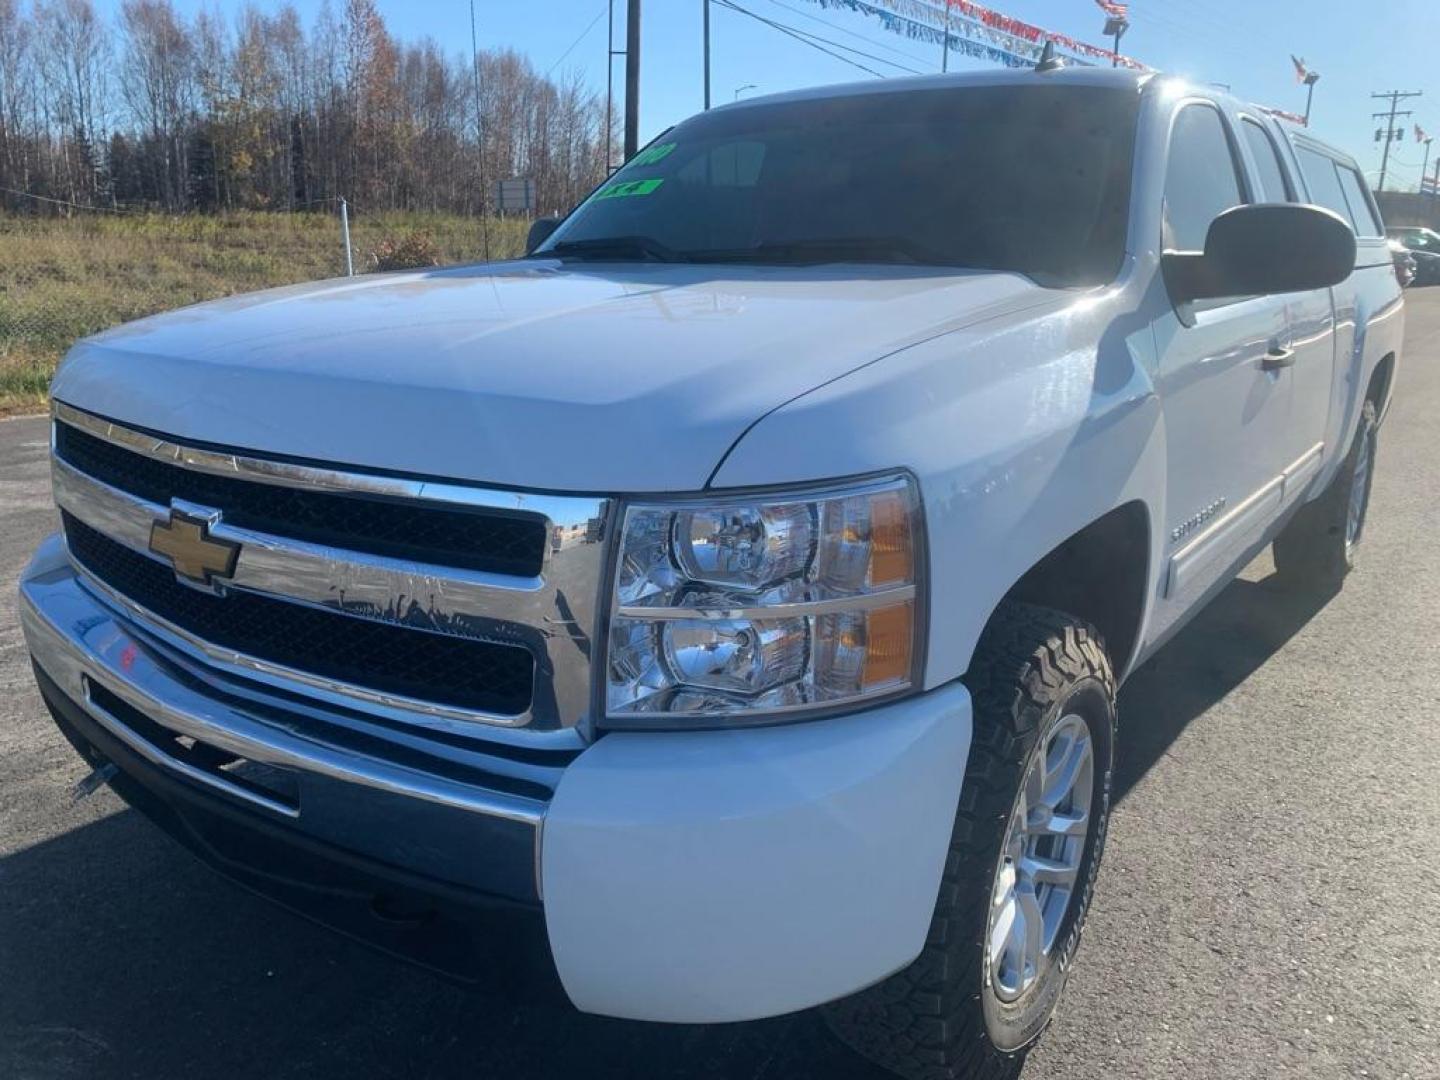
617 248
828 249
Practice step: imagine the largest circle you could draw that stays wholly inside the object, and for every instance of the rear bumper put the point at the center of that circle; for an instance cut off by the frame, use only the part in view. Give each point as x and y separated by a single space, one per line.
699 877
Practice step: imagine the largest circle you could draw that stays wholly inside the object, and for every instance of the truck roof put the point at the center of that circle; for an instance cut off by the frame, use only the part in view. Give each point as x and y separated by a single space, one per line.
1075 75
1069 75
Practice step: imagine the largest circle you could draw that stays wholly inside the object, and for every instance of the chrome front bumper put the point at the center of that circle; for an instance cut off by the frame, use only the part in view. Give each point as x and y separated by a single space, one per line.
690 877
425 823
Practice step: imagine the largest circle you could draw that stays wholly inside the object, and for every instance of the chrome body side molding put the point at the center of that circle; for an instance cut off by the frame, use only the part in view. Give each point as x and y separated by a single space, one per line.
1197 559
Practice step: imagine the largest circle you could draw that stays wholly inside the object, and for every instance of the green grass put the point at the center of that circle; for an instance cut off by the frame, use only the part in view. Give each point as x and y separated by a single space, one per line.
63 279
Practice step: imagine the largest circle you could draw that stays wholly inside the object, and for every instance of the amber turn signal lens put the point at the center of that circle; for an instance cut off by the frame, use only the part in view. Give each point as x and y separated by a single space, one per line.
890 557
888 645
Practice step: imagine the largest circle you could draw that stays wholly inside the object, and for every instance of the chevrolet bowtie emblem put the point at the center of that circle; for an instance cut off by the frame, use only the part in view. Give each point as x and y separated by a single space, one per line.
192 551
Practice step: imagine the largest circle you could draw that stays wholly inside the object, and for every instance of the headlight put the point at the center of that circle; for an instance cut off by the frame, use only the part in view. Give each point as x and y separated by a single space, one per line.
737 609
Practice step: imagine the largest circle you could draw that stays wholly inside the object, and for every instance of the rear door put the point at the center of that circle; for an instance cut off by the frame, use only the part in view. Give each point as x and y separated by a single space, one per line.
1226 408
1335 182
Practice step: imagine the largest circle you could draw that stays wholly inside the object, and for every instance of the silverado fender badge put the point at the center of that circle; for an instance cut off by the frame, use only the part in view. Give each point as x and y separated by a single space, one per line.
196 556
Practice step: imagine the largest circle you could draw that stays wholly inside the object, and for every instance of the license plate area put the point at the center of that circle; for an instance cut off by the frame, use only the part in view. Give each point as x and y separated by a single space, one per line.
253 781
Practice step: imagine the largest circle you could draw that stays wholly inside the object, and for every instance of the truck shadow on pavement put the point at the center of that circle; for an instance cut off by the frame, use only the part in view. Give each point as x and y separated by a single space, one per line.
121 956
1246 624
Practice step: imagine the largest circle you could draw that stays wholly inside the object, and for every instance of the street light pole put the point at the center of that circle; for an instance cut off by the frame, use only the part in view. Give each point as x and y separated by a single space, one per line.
1311 78
1115 27
945 48
741 89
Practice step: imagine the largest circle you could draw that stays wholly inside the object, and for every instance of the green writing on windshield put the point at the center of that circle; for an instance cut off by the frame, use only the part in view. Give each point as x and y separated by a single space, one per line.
652 154
630 187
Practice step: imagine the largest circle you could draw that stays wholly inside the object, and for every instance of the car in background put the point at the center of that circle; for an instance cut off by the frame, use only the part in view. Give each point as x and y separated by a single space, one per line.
1424 245
1405 265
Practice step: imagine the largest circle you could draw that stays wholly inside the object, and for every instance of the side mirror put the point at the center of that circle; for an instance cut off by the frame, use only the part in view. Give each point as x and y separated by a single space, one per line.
1264 249
540 230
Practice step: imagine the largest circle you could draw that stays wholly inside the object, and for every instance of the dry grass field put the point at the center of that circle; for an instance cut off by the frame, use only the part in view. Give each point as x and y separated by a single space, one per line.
61 279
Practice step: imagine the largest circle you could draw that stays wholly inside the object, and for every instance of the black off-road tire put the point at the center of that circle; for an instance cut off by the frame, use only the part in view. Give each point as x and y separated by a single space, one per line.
938 1019
1313 550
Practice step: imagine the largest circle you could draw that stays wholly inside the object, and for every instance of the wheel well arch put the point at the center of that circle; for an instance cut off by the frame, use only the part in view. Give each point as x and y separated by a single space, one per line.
1380 379
1099 574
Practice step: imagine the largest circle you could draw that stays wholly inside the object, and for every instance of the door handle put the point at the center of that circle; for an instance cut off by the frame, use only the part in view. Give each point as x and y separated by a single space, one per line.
1278 357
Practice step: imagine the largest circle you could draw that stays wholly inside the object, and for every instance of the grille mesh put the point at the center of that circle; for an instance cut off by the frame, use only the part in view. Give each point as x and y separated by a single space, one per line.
469 539
454 671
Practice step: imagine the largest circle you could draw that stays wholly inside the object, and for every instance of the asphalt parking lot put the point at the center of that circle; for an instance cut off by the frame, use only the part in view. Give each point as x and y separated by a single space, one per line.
1269 907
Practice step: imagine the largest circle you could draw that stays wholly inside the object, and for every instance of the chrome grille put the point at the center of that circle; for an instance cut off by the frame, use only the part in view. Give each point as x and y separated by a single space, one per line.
376 588
459 536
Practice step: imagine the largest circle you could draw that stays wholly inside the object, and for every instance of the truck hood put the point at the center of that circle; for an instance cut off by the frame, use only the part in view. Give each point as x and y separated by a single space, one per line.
575 377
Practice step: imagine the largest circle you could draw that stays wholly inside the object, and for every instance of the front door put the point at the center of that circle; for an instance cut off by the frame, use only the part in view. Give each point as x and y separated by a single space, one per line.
1221 379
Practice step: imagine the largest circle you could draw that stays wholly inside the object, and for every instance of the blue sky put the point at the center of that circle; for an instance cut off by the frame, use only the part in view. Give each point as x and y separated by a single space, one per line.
1358 47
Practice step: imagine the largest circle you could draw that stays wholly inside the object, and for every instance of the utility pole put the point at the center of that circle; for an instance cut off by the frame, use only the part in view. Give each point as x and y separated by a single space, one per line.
632 78
609 84
610 54
1395 96
480 138
706 5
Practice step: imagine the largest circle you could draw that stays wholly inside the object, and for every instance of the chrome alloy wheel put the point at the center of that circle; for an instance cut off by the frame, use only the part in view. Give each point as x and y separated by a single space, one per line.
1040 860
1359 494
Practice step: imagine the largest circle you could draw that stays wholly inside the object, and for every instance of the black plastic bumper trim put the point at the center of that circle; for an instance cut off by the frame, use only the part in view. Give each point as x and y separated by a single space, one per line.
457 932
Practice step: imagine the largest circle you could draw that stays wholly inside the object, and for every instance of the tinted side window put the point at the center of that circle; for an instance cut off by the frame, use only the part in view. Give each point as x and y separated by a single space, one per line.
1361 212
1201 181
1267 160
1323 182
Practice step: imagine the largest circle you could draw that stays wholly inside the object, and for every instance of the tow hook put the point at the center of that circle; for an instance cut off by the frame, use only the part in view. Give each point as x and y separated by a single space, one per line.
98 778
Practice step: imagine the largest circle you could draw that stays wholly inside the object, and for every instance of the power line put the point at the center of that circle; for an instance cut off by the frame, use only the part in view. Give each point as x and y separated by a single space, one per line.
858 52
810 38
65 202
851 33
583 35
805 38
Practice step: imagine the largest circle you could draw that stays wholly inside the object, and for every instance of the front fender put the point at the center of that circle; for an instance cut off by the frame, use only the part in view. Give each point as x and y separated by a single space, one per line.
1021 431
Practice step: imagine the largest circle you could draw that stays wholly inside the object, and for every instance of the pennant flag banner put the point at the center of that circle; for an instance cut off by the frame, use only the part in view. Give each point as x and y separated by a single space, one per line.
984 34
1015 27
974 31
1113 9
961 41
1281 114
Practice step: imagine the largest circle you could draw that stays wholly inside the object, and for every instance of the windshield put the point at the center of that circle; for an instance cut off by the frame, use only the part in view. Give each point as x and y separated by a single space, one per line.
1031 179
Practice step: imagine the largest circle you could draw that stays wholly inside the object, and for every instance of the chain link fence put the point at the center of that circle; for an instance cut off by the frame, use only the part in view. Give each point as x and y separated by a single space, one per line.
62 278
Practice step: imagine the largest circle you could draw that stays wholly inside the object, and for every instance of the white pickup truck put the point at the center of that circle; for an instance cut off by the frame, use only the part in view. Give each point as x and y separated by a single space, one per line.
736 587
